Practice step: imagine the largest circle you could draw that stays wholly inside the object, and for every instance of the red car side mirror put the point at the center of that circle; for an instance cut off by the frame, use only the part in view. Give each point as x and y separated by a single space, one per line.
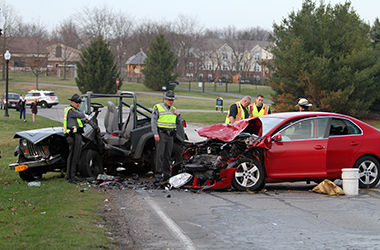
277 137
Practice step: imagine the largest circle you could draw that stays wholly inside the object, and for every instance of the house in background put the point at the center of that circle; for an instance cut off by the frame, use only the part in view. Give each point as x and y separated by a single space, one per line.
28 53
62 59
135 65
240 60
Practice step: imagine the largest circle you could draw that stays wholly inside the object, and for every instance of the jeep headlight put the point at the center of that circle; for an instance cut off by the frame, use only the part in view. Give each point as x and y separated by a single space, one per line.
23 143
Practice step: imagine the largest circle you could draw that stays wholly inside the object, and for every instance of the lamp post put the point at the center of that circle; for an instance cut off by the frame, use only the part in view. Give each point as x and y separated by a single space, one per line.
7 57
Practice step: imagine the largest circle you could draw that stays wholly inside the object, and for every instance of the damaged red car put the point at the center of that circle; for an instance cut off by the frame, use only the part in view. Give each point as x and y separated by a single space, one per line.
294 146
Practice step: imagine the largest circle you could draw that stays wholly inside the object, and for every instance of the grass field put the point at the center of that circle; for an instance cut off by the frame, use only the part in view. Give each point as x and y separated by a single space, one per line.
56 215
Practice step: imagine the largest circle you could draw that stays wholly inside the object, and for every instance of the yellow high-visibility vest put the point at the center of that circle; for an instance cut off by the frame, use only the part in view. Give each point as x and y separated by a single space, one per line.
255 113
166 118
240 114
65 129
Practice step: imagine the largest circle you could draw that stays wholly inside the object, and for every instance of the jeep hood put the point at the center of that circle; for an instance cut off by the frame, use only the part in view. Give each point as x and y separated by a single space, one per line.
226 132
37 135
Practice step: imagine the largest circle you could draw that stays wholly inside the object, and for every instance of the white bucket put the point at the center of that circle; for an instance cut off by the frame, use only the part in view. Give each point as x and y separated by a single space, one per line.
350 177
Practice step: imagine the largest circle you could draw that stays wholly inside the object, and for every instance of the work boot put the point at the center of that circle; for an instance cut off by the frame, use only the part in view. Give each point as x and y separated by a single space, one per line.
74 180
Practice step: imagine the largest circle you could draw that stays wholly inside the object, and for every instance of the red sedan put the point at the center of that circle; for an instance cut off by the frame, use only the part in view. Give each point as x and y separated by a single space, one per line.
296 146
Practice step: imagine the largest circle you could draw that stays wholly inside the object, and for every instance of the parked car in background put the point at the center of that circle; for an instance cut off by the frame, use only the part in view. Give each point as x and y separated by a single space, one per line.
45 98
13 99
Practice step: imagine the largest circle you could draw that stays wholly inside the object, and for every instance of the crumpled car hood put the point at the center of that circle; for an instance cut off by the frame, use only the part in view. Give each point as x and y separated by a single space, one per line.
37 135
226 132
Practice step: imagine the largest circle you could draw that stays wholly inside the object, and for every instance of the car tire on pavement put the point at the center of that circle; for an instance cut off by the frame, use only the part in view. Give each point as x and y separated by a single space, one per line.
249 175
44 105
91 163
369 168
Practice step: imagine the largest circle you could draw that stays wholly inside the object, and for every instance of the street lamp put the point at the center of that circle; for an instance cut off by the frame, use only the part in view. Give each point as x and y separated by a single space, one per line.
7 57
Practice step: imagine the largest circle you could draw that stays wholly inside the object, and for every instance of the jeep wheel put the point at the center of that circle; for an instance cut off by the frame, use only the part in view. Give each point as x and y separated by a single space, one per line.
44 105
29 175
91 163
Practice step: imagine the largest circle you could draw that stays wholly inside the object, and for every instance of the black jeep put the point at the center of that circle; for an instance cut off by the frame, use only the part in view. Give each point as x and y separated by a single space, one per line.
125 143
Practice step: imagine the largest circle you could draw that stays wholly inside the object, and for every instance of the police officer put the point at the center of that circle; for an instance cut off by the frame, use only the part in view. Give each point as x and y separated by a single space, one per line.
258 108
73 127
303 104
239 110
164 120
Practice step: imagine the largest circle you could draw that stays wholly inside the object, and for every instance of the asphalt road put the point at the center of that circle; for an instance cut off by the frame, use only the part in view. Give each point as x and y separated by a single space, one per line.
287 216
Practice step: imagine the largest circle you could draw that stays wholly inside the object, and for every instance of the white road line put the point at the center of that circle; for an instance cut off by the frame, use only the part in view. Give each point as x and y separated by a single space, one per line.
173 227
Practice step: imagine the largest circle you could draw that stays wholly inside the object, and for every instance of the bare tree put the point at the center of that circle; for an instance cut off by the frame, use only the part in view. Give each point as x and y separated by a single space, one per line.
39 36
120 44
12 22
187 33
68 33
143 34
96 22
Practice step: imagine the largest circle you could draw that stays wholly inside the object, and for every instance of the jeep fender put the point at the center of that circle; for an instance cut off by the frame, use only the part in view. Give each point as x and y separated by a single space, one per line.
141 144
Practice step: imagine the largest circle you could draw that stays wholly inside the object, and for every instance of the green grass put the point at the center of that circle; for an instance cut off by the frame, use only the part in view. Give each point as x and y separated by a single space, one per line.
55 215
29 77
245 89
148 100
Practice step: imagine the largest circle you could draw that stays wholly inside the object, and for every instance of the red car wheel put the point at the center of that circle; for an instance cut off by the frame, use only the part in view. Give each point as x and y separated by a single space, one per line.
249 175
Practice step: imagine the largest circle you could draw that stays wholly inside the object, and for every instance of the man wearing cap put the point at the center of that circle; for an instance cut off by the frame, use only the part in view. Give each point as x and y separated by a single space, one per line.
303 104
73 127
164 123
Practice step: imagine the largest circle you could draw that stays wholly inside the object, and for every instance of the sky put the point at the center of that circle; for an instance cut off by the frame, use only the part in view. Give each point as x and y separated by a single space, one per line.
209 13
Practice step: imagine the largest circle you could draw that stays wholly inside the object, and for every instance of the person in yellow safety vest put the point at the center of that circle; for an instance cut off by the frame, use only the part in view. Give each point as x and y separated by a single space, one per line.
258 108
164 124
72 128
303 104
239 110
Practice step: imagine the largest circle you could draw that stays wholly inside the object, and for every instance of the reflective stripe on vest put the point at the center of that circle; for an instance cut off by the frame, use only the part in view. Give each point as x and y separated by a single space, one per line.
166 117
240 114
263 111
66 130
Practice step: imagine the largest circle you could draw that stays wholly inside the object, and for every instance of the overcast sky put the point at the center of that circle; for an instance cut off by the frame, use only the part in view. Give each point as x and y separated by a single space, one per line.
209 13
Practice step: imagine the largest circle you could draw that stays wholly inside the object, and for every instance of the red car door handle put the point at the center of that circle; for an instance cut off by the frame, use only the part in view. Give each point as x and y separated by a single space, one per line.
318 147
354 143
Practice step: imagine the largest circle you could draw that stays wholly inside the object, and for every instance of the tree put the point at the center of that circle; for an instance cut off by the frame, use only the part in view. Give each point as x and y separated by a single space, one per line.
97 71
375 32
159 64
375 36
324 54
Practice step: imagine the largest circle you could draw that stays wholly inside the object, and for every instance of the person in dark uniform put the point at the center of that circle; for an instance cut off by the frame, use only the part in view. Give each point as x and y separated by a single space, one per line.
164 120
73 128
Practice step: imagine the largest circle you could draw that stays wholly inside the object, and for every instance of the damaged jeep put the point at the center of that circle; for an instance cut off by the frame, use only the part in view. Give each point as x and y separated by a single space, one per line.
124 142
293 146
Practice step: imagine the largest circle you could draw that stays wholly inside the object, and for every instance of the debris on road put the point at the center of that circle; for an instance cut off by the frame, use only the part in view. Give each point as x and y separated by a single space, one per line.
328 187
34 184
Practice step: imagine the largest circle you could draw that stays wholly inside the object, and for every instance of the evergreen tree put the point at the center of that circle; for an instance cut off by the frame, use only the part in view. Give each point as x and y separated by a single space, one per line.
159 64
375 32
324 54
375 37
97 71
